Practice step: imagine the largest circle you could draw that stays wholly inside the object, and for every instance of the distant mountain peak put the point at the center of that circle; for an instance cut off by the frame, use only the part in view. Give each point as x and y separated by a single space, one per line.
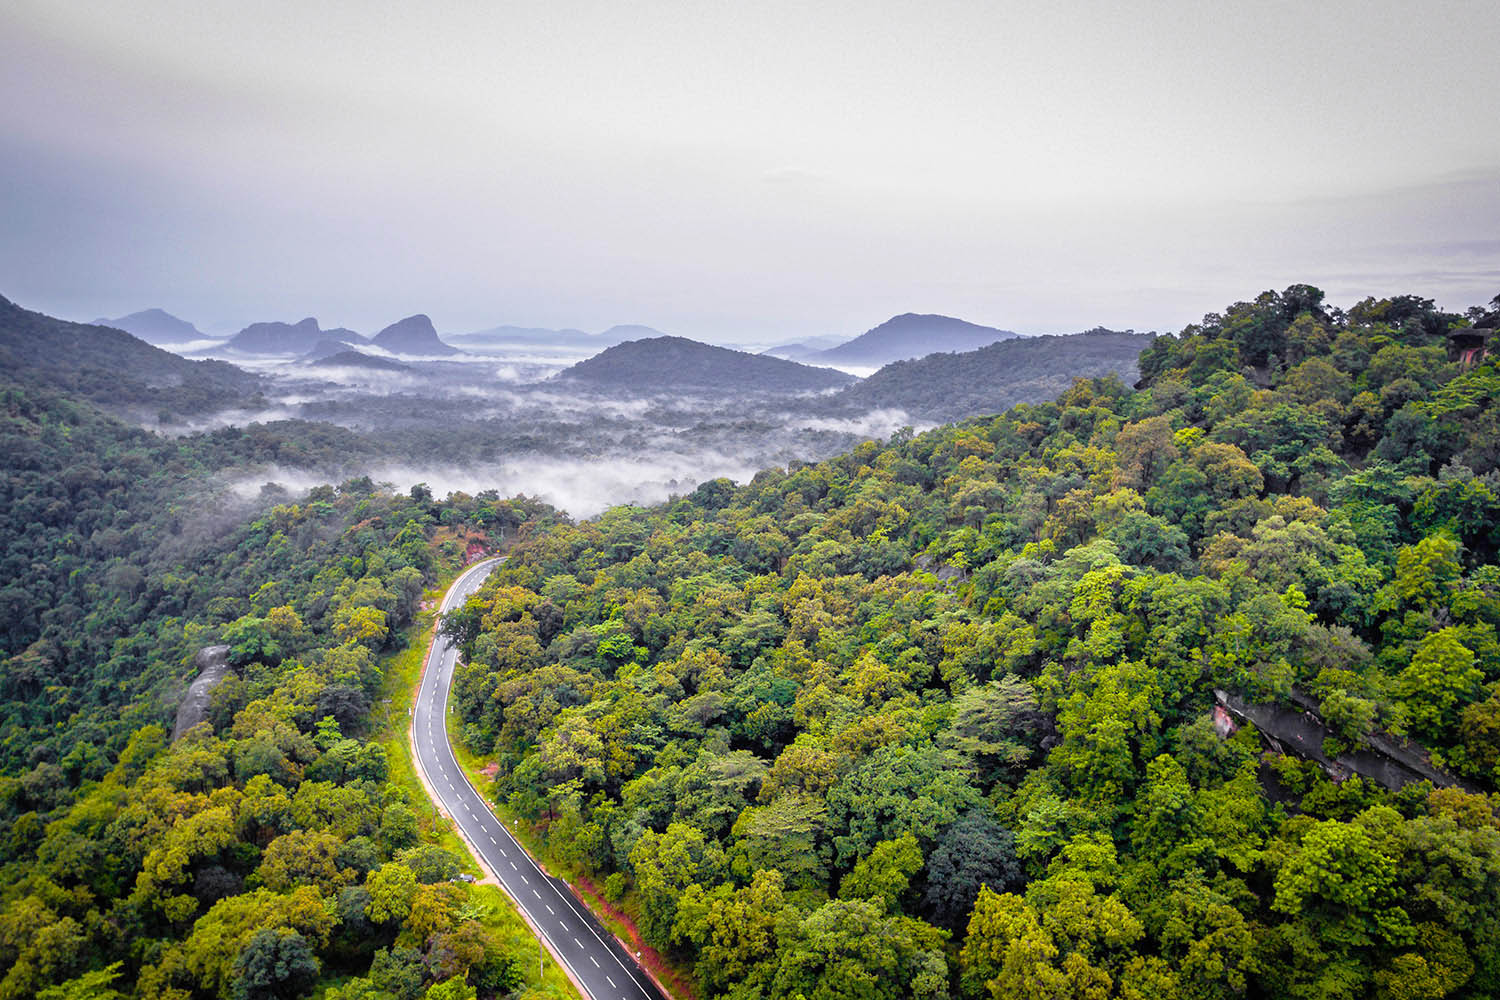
154 326
277 338
413 335
631 331
665 363
913 335
349 358
329 345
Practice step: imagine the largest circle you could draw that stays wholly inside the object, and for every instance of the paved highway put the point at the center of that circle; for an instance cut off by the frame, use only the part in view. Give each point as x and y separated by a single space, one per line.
596 959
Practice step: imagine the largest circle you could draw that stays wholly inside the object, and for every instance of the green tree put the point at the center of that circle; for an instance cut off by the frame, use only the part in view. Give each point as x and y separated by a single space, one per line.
851 949
392 888
665 864
735 932
1438 682
972 852
1342 886
96 985
274 964
885 874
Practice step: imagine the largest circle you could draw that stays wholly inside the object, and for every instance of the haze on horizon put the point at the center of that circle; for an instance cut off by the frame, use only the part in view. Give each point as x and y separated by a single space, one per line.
755 173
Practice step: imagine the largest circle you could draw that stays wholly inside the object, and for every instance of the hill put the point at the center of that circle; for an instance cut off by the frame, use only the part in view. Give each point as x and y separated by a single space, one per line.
911 335
155 326
354 359
669 363
329 345
277 338
943 387
801 350
111 367
412 335
972 704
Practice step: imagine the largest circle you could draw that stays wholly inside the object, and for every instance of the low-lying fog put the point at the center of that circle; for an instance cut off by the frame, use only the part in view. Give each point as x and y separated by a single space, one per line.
475 422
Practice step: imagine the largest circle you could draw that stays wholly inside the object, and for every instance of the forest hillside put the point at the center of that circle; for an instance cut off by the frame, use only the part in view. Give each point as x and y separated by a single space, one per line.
952 386
969 713
111 367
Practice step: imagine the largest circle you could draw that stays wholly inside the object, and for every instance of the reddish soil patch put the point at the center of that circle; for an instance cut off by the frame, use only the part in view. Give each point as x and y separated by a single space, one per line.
491 769
651 959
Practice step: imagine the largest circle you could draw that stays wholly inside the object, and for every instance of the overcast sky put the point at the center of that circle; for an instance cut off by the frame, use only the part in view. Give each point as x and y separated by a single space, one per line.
752 171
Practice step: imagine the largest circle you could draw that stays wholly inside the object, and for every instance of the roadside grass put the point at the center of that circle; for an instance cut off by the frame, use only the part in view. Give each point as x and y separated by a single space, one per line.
620 918
493 908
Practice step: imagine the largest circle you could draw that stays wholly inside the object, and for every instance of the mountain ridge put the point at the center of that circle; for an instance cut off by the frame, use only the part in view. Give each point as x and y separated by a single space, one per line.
664 363
911 335
948 386
155 326
111 367
356 359
275 337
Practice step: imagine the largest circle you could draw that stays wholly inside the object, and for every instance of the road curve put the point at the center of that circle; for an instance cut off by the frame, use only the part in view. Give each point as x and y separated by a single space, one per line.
595 959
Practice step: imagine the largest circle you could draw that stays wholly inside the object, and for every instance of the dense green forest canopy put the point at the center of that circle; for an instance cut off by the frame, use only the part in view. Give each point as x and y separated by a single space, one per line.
931 719
937 716
946 387
264 852
112 368
112 541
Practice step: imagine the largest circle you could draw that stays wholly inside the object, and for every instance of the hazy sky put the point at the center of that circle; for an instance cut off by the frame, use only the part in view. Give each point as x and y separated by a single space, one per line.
751 171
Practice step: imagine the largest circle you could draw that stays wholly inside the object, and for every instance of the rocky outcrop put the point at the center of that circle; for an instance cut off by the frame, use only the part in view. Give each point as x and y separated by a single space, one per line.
413 335
277 338
1298 729
212 664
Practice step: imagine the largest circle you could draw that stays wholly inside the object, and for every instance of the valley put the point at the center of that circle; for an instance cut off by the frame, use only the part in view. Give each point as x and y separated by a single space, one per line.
827 697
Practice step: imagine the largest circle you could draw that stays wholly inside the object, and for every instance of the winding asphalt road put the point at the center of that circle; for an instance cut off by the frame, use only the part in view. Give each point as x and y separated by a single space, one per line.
595 959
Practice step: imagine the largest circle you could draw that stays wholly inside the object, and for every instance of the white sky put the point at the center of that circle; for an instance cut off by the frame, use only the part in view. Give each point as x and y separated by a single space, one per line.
754 171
